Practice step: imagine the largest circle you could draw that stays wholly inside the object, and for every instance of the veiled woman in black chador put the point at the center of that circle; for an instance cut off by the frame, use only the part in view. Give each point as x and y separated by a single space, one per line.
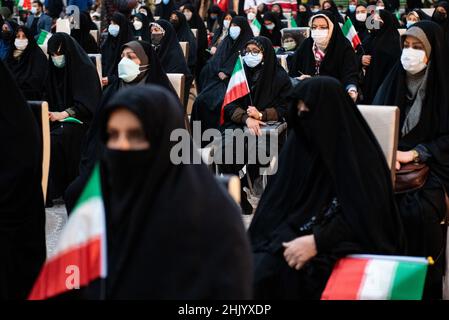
173 232
22 214
215 76
332 196
418 84
73 91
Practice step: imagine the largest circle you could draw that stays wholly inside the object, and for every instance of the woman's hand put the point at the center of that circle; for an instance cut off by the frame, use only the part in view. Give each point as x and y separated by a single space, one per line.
213 50
104 81
300 250
366 60
254 126
303 77
353 94
404 157
222 75
253 113
56 116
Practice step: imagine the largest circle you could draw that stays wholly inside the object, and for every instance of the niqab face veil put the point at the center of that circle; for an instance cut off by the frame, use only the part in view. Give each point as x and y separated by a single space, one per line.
145 220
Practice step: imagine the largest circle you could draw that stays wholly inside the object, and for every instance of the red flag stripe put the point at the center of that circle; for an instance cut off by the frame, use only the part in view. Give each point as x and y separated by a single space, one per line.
52 282
345 280
236 92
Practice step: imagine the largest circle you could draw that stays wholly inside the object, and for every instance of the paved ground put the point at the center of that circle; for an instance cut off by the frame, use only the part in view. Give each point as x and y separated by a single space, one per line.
56 219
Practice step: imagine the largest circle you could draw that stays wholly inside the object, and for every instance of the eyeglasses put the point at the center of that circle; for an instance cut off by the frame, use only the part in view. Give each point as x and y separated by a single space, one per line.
252 52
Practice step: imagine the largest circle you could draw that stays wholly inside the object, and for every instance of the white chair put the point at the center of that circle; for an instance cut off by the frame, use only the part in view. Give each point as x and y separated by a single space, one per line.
428 11
282 58
384 123
97 58
96 35
195 33
185 49
178 82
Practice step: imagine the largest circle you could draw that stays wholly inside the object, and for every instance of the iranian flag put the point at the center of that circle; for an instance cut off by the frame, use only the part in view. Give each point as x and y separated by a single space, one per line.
374 277
80 255
350 33
43 38
256 26
237 86
24 4
223 4
292 22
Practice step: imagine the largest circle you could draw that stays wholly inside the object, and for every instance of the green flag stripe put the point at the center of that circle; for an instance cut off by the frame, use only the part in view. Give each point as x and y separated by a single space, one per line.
93 187
238 66
346 27
408 283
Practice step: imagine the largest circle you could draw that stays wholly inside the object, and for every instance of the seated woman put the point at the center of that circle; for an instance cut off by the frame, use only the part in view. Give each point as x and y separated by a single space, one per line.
214 16
254 20
215 75
119 33
266 101
72 90
277 9
319 53
141 26
83 36
318 207
329 5
417 84
28 64
22 223
184 34
381 50
415 16
303 15
169 51
196 22
139 65
146 11
221 32
359 21
159 213
271 28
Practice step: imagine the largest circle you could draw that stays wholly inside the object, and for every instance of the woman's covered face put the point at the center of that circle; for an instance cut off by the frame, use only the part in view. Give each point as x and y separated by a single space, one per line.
326 5
253 55
130 54
302 108
125 132
276 8
21 35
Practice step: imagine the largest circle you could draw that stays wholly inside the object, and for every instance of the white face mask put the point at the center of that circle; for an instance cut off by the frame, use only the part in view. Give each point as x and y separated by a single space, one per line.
251 16
137 25
413 60
33 10
114 29
378 8
21 44
188 15
320 36
234 32
128 70
226 24
251 60
361 17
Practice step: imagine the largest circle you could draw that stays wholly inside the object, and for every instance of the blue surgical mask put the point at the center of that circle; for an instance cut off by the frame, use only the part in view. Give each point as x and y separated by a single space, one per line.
351 8
58 61
410 23
234 32
114 29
